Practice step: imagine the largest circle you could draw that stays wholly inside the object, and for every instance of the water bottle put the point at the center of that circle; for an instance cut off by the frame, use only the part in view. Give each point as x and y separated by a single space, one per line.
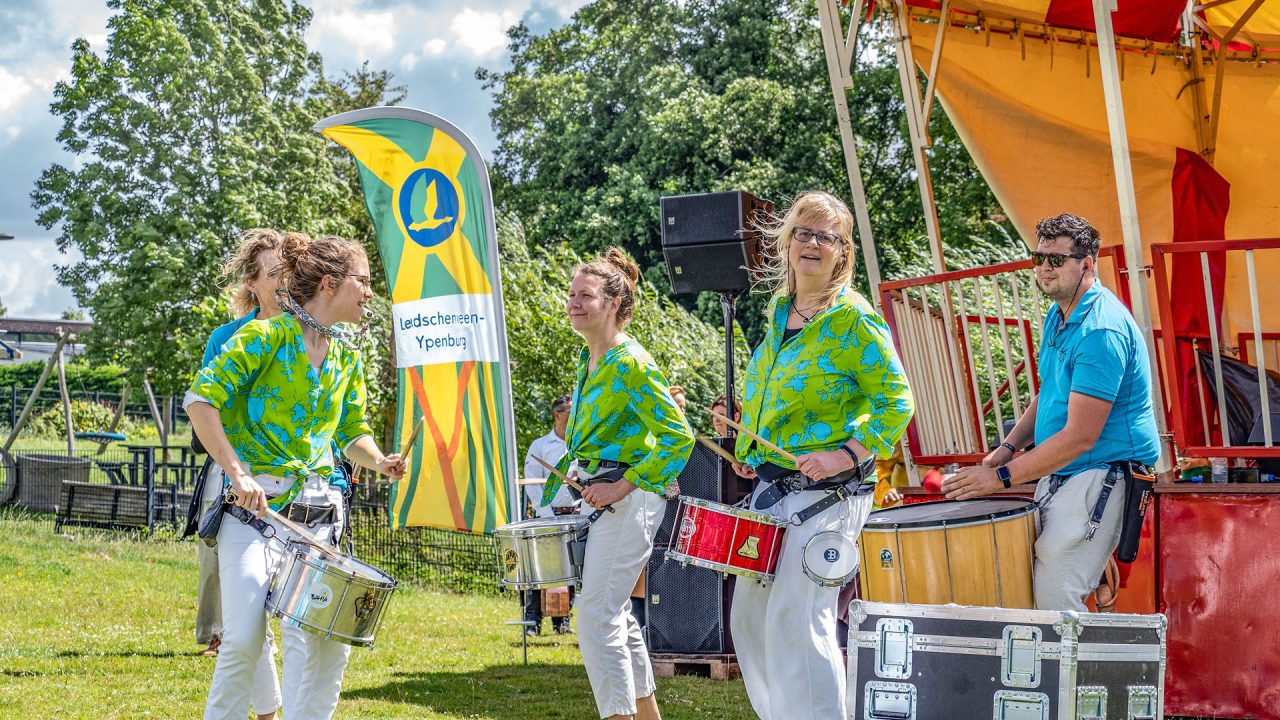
1218 469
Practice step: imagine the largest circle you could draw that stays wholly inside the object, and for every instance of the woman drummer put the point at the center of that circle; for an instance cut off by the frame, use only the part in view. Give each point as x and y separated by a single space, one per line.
629 441
306 390
826 386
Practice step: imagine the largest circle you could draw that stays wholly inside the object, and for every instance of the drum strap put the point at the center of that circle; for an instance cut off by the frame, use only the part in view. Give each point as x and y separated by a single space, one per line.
846 490
264 528
783 481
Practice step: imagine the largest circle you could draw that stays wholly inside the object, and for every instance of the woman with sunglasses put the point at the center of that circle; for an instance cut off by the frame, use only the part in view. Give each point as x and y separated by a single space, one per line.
287 389
826 386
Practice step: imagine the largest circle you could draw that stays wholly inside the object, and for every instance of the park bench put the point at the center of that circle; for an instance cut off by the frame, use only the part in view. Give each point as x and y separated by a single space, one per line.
116 506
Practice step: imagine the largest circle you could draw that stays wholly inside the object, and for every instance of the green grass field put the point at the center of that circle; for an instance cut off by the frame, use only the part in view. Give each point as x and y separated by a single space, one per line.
99 625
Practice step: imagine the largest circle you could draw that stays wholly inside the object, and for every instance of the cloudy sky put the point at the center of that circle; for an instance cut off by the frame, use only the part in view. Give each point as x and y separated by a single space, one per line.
414 40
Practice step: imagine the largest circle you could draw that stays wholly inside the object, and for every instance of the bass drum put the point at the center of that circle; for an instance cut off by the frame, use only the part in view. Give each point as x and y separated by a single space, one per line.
967 552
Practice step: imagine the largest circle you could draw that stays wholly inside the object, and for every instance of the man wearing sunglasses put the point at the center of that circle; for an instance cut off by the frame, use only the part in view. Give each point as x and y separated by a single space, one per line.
1092 422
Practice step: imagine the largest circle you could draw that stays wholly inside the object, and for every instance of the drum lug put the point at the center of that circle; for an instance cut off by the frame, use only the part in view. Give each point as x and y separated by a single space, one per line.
893 649
1020 653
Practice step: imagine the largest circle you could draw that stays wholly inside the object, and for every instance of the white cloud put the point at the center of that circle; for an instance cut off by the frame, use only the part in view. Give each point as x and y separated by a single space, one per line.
435 46
364 34
407 61
481 33
13 90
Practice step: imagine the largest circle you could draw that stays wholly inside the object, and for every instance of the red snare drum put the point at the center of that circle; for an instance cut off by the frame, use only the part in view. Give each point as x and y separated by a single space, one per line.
728 539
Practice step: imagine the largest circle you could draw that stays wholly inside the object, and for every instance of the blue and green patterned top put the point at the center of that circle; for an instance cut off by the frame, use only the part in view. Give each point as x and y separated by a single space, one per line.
623 412
838 378
290 412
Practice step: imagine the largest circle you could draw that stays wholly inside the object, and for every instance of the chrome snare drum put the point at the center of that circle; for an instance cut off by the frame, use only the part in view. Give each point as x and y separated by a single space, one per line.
535 552
337 600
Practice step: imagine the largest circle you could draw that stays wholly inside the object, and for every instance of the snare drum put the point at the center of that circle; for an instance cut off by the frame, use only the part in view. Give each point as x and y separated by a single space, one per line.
337 600
830 559
535 552
968 552
728 539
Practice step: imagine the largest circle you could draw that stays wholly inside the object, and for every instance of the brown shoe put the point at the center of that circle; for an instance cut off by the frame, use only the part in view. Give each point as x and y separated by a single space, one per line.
212 650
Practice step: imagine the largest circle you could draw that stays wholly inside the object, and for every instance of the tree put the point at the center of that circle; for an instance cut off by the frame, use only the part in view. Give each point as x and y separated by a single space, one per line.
77 315
193 125
629 102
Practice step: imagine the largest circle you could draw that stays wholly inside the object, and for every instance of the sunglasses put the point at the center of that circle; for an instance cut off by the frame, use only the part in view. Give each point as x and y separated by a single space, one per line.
824 239
1055 259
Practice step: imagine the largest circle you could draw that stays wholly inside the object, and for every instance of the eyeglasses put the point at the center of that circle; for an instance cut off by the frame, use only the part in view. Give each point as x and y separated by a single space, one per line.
824 239
1055 259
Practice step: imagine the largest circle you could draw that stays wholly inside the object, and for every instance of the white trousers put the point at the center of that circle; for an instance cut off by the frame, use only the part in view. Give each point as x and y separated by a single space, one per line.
613 649
313 666
784 632
1067 566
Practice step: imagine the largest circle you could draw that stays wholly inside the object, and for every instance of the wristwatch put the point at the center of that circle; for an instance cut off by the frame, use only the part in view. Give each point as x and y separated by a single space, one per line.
1005 476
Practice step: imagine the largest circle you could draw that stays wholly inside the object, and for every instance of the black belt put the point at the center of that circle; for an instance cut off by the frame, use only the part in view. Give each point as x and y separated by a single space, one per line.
615 468
309 515
564 510
785 480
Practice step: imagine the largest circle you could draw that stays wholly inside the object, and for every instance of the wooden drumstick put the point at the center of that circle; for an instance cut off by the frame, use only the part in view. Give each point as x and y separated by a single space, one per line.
753 436
408 446
569 481
715 448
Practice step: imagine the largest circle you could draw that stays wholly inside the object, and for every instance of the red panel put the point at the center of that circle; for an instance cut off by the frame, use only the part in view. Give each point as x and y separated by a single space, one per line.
1153 19
1219 561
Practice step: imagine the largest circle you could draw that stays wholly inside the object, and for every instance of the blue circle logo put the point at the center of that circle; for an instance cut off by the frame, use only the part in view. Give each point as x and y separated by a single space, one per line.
831 555
429 207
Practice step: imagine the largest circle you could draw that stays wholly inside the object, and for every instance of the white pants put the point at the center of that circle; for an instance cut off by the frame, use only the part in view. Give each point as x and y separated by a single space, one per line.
313 666
1068 566
613 649
784 632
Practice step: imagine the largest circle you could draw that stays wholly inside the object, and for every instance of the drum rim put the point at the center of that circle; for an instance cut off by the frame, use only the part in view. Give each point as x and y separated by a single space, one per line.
718 567
819 579
738 512
557 527
959 522
308 555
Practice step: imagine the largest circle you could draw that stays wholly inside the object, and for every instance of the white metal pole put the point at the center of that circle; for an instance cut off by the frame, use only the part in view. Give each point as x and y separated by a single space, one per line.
1110 73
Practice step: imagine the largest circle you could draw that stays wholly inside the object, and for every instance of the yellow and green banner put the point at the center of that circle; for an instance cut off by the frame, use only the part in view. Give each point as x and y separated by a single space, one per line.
427 191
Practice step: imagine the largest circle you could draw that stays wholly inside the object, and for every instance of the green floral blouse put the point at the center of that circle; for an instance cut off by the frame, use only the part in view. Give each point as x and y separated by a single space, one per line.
838 378
280 413
623 412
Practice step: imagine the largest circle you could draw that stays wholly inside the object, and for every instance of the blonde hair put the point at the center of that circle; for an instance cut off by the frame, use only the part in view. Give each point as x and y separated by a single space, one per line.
811 207
307 262
244 266
618 275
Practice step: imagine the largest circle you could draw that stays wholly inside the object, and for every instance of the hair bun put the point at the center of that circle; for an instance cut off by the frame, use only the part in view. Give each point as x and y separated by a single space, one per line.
619 259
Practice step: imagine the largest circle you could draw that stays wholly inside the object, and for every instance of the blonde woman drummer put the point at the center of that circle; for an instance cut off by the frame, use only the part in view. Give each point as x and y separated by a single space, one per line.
629 441
826 387
305 390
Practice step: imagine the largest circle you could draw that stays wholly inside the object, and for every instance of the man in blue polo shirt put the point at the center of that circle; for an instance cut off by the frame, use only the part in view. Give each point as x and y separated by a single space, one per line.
1093 412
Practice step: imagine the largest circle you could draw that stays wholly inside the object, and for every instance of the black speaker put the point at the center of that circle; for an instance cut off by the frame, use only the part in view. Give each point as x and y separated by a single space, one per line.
710 240
686 607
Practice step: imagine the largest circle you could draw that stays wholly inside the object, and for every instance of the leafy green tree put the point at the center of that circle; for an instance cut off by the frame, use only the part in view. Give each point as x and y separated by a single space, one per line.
76 315
192 126
629 102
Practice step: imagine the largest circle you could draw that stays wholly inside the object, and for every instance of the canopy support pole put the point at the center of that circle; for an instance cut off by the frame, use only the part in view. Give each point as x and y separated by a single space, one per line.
840 52
1128 202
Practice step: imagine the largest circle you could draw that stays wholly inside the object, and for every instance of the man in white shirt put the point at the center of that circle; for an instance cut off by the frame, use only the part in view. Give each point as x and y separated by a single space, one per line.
550 448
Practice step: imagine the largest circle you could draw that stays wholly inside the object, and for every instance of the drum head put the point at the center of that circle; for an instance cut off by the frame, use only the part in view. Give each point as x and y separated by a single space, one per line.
830 558
951 512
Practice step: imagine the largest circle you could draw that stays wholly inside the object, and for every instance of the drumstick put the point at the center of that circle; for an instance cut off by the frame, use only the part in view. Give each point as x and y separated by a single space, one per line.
755 437
531 481
291 525
715 448
565 478
408 447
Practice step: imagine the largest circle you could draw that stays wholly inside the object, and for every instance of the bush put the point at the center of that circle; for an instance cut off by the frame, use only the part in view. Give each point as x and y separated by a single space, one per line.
86 416
81 376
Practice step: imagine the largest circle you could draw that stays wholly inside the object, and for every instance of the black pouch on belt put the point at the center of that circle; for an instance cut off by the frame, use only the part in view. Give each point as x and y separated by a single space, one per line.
211 521
1138 490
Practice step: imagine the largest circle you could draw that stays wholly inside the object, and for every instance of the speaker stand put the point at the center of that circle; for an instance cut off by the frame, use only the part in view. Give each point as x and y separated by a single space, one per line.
728 302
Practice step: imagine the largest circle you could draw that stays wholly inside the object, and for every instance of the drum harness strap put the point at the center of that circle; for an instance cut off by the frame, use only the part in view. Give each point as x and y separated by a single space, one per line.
1115 471
849 483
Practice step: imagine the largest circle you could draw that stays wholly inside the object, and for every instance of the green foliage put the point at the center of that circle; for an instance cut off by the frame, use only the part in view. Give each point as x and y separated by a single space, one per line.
545 349
194 125
629 102
86 416
81 376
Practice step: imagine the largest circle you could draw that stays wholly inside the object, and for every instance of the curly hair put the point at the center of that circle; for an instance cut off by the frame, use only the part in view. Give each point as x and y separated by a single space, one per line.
245 266
618 275
307 262
811 207
1084 237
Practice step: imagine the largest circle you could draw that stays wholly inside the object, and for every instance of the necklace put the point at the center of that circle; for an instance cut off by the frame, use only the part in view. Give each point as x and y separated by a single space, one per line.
342 334
812 313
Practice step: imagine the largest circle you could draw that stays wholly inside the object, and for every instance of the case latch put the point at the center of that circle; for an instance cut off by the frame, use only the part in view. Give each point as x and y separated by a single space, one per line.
1091 702
889 701
893 651
1020 666
1020 705
1143 700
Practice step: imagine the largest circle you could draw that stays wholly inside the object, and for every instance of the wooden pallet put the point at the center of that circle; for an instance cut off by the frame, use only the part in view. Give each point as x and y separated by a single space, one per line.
716 667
